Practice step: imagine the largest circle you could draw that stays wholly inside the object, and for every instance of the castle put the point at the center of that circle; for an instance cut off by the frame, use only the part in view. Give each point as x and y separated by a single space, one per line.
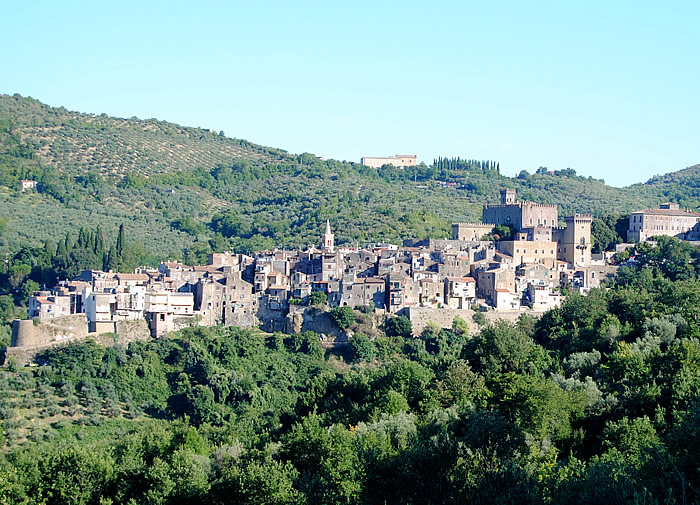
534 223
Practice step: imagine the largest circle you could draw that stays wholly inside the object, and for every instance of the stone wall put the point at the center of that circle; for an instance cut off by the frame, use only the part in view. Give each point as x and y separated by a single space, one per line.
444 317
27 333
301 319
34 338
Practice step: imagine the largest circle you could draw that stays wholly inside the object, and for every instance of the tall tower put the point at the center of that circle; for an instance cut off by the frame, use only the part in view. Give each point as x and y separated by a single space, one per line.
327 239
574 241
507 196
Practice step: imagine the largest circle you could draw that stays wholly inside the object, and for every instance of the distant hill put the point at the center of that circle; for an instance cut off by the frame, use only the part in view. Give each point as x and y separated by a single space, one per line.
183 191
682 187
73 142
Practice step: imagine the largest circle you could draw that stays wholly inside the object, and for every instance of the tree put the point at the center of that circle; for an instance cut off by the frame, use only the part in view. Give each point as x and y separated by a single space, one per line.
460 326
18 273
501 232
121 241
28 289
343 316
399 326
362 348
460 384
318 298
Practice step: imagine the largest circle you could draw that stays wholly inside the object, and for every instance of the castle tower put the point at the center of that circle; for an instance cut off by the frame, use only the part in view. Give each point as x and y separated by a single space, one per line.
574 241
507 196
327 239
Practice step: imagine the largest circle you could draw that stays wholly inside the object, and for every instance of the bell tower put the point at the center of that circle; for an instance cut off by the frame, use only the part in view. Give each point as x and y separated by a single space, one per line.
327 239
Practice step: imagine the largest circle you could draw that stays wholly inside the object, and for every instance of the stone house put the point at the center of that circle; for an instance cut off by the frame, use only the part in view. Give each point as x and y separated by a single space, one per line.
460 292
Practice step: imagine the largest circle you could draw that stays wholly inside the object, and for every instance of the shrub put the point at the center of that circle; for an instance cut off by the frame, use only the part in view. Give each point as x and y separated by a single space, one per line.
318 298
399 326
343 316
362 348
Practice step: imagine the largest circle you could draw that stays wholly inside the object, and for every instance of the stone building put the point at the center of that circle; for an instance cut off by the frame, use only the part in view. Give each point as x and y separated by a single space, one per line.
330 261
45 305
524 251
400 160
489 281
460 292
669 219
26 184
363 292
163 308
470 231
521 215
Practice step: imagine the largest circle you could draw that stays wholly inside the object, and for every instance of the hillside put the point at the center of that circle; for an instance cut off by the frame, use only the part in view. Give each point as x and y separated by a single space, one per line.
682 186
74 142
182 191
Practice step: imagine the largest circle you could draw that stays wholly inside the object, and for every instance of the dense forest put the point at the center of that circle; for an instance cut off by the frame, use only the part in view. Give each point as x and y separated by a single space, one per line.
595 402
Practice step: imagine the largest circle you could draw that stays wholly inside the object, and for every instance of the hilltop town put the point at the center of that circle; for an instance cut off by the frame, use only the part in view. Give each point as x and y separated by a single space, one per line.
432 279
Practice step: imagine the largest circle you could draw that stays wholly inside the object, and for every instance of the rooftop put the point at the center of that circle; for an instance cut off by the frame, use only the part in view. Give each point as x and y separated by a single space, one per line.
668 212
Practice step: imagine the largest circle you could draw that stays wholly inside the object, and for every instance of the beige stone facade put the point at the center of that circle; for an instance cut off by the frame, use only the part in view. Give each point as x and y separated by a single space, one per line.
521 215
574 241
524 251
470 231
669 219
400 160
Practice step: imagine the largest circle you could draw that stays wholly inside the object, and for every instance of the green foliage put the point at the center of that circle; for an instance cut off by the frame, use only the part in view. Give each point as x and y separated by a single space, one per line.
398 326
460 326
479 318
501 232
318 298
608 230
343 316
362 348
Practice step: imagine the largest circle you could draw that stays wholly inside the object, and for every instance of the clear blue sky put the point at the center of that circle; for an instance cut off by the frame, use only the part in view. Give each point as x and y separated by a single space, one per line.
609 89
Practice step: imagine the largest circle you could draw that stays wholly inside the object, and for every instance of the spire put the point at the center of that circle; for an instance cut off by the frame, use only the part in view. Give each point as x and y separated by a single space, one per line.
327 239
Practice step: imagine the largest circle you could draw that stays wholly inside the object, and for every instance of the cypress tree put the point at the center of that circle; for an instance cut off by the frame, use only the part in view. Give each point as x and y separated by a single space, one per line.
110 261
99 247
120 241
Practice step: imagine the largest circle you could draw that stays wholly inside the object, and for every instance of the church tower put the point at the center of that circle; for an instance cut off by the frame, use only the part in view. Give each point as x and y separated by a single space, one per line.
327 239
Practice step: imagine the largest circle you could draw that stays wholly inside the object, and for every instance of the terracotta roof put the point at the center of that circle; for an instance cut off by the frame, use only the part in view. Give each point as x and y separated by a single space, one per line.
132 277
500 290
461 279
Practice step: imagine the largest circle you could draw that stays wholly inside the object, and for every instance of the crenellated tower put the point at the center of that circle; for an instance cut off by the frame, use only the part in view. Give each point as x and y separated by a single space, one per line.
574 241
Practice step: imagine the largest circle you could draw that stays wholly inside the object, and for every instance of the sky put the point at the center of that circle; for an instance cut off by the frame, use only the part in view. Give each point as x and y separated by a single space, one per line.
609 89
